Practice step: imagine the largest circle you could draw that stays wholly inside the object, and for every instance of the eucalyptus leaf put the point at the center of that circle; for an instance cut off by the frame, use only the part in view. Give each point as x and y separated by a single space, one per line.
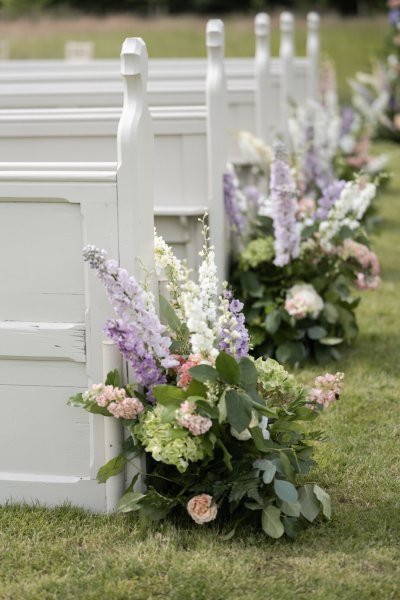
268 468
330 313
95 409
291 509
170 316
226 455
113 378
309 503
228 368
248 374
168 395
325 501
273 321
76 401
316 332
293 525
330 341
205 407
239 410
113 467
285 490
130 502
271 523
261 444
204 373
196 388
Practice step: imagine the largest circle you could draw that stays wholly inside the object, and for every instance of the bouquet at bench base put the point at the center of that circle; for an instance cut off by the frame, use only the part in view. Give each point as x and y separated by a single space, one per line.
227 438
299 264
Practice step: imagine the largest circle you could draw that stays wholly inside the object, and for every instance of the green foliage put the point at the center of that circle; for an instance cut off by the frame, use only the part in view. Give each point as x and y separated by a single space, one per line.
113 467
273 331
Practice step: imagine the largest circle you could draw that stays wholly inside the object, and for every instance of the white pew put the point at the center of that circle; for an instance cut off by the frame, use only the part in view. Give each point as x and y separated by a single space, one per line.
52 309
173 82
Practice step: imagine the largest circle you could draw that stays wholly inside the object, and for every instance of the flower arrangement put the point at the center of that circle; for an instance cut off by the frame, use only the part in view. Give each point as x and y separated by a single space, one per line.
300 266
376 95
227 437
332 142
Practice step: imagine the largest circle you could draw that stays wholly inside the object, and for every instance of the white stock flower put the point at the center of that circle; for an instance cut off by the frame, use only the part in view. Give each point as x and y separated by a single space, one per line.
200 308
348 210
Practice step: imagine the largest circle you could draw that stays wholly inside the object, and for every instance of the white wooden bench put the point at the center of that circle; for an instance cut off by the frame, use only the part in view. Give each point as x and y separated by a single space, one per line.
52 84
52 309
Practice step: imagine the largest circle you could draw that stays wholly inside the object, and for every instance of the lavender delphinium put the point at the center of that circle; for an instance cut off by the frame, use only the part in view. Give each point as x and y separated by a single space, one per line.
329 197
284 208
347 118
138 332
233 335
232 207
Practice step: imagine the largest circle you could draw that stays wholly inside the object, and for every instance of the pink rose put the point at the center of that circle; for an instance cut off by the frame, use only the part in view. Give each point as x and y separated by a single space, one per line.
202 509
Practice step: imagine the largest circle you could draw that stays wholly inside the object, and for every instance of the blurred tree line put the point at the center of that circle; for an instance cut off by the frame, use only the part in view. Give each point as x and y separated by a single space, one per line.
346 7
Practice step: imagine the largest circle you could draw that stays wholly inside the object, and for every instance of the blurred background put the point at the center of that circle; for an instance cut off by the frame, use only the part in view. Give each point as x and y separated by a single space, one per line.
352 31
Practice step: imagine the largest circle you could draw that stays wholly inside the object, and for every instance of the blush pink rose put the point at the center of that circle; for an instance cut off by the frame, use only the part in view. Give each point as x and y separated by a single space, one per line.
202 509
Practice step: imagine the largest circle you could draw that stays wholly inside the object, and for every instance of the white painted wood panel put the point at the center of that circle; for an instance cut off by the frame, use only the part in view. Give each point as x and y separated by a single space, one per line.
57 341
33 373
40 434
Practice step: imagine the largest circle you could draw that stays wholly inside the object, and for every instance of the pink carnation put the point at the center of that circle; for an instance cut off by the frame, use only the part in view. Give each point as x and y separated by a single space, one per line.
183 370
186 417
127 408
369 278
327 389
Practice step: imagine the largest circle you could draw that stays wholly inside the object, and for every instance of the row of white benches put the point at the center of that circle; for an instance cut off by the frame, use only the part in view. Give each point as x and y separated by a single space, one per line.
181 178
51 309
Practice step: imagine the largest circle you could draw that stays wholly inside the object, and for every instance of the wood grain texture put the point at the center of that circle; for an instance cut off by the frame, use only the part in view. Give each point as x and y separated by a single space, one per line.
57 341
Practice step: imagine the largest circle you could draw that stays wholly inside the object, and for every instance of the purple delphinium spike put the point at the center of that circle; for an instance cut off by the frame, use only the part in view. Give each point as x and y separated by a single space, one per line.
232 208
394 16
138 332
315 169
233 335
347 117
329 197
284 208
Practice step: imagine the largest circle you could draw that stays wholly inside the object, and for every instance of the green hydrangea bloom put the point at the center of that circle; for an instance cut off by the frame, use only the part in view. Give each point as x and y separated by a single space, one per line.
257 252
167 442
275 384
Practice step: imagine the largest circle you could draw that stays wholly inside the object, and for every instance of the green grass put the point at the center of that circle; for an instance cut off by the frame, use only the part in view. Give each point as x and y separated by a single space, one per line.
68 554
350 43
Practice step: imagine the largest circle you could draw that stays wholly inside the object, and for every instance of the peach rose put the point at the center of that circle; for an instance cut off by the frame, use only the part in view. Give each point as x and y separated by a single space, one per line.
397 121
202 509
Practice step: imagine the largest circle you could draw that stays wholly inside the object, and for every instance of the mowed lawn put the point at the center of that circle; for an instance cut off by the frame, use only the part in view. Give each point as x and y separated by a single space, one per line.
68 554
351 43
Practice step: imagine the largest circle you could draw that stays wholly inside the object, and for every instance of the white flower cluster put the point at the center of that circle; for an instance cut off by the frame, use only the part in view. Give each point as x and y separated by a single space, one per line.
348 210
199 305
323 122
172 268
254 150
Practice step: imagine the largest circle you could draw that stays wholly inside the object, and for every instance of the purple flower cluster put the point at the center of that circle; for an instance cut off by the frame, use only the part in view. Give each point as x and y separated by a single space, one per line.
394 15
329 197
138 332
347 118
284 208
315 170
232 208
234 337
